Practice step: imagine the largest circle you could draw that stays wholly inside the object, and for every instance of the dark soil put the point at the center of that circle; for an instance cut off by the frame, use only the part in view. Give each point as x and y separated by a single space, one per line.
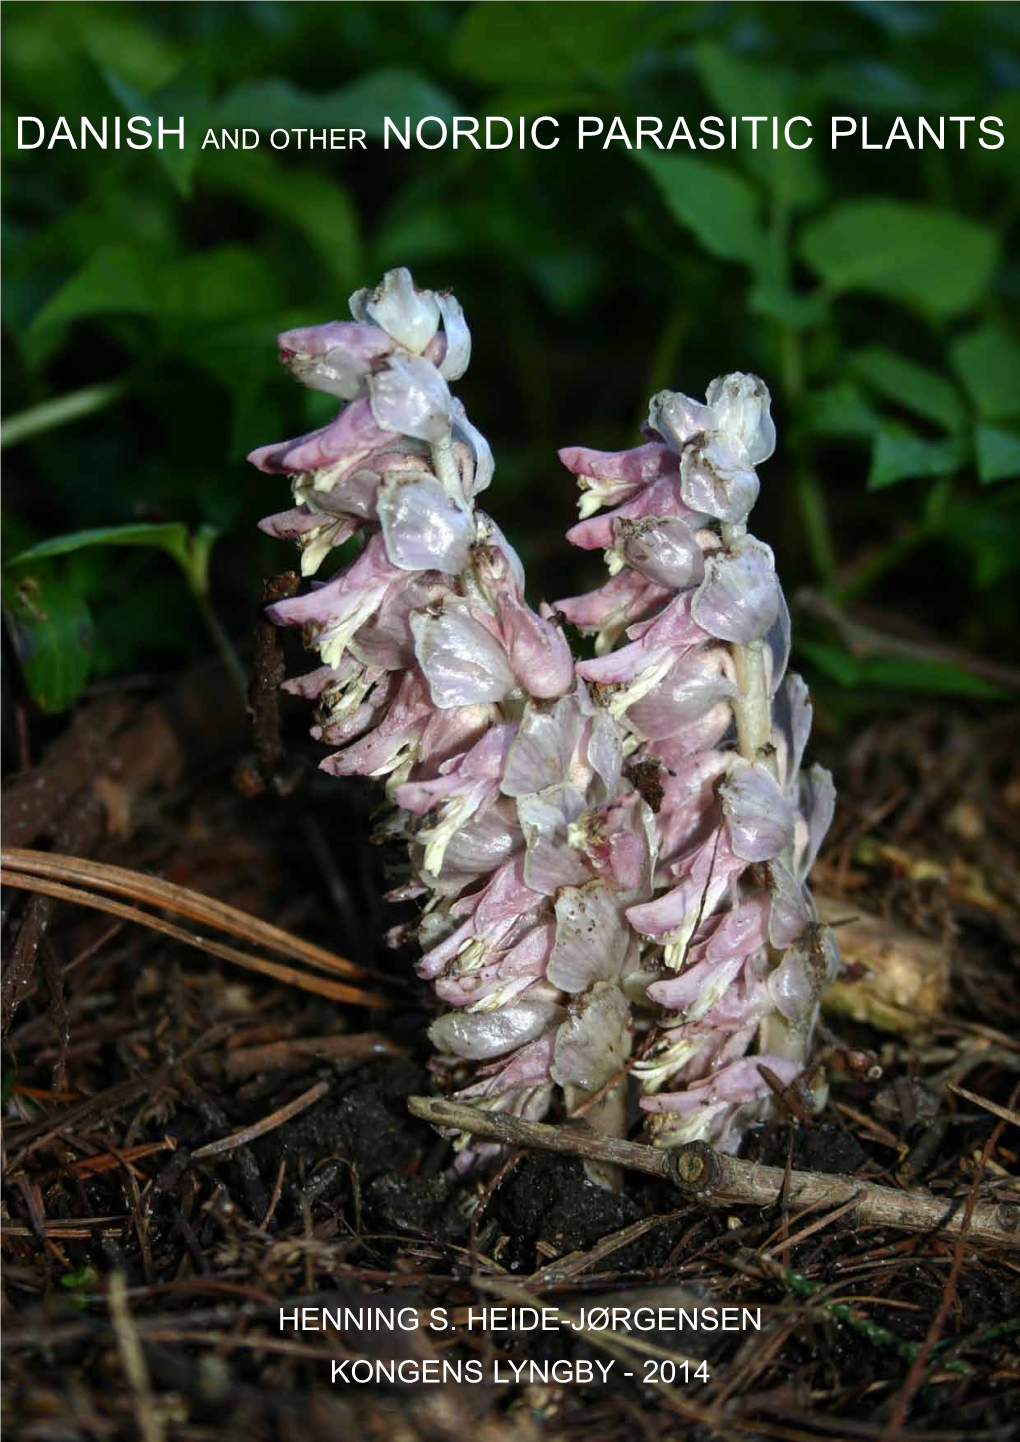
143 1277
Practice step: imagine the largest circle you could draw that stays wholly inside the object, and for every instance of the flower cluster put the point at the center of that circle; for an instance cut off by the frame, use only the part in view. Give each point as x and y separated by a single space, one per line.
527 842
717 732
597 844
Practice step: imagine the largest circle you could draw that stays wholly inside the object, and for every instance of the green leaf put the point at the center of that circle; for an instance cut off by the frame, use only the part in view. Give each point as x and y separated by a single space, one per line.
549 100
318 206
182 294
998 453
185 99
900 673
790 307
584 43
986 529
396 93
113 36
920 255
901 454
716 204
987 360
910 385
874 85
51 632
743 87
216 285
277 104
171 536
117 279
841 410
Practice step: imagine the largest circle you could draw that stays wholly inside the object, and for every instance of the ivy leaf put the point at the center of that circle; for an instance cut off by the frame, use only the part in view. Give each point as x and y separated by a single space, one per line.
900 454
51 632
920 255
716 204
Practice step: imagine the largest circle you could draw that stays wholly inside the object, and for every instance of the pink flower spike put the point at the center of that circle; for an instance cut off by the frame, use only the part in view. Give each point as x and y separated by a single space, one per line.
447 733
609 477
409 315
331 614
613 607
704 879
758 815
393 742
353 436
738 600
661 499
741 1081
480 1036
412 398
593 1043
665 552
315 533
464 663
528 1066
424 528
693 686
335 357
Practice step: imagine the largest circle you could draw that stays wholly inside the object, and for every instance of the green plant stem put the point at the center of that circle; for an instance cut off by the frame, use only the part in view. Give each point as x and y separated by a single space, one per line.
817 529
810 500
222 642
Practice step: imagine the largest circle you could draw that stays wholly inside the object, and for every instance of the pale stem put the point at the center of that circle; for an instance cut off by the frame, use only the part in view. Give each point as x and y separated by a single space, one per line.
608 1117
752 712
445 463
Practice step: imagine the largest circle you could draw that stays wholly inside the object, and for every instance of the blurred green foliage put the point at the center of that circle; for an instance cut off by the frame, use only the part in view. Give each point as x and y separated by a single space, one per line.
872 290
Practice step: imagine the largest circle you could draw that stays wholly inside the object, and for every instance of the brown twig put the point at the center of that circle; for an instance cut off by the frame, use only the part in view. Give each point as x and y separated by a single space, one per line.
335 990
267 1124
282 1055
938 1322
1006 1114
150 1424
193 905
699 1171
863 640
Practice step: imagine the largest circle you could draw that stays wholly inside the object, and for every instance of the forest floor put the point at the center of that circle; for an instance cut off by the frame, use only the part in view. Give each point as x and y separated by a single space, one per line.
192 1143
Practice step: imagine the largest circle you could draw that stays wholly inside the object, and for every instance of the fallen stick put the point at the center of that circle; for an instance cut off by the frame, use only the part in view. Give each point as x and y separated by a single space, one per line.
707 1175
291 976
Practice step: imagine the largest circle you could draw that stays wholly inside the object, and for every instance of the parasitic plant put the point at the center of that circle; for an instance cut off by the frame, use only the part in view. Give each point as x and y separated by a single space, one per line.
610 855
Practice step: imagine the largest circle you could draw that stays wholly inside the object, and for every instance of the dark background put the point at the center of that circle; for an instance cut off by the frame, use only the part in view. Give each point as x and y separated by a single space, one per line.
872 290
